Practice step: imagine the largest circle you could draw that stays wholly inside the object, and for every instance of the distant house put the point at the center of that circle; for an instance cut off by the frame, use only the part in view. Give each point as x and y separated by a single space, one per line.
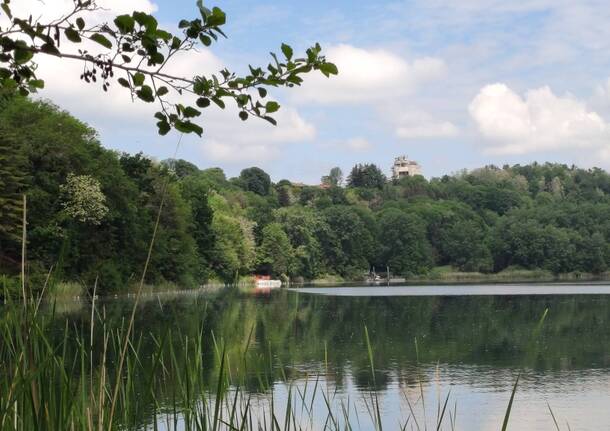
403 167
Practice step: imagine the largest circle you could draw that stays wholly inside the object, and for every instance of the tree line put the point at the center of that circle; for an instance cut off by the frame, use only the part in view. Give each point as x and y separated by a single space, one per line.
92 211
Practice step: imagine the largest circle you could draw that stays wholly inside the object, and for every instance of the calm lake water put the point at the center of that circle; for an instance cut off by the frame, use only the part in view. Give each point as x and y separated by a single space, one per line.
470 342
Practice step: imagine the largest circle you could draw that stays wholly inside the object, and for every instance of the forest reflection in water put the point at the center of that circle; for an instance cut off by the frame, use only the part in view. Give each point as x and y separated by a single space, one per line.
472 345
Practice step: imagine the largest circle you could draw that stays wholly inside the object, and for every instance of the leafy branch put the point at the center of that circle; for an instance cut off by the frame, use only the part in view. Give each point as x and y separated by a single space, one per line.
134 52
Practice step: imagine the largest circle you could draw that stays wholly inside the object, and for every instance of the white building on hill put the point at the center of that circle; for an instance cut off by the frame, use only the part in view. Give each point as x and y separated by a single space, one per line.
403 167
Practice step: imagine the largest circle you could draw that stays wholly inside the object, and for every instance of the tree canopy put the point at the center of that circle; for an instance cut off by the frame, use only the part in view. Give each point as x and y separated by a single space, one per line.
91 214
366 175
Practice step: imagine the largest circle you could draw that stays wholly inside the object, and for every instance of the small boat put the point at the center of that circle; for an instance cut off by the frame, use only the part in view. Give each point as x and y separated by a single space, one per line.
265 282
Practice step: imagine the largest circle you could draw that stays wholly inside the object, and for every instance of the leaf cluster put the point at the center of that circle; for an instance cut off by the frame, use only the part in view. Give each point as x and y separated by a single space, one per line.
134 52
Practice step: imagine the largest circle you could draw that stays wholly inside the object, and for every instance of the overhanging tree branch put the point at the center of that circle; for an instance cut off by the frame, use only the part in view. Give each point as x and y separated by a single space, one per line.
136 45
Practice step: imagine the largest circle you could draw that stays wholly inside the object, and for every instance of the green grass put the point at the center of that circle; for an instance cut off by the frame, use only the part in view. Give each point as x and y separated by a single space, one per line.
67 289
449 274
328 279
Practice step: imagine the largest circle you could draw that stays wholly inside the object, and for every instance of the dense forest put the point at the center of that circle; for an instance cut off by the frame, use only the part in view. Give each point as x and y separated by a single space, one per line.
91 214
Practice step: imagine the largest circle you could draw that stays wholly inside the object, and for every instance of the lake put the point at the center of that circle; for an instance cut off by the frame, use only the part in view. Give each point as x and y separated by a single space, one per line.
463 344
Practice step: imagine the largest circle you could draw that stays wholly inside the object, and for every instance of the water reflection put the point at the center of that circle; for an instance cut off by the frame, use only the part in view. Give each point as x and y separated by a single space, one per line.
472 345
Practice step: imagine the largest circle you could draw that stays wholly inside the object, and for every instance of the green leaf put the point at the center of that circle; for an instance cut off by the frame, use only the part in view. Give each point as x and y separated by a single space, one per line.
206 40
125 23
73 35
147 21
287 50
102 40
163 35
243 115
175 43
203 102
262 92
329 69
9 83
49 48
190 112
204 11
36 84
242 99
22 55
138 79
218 102
271 120
123 82
196 129
164 127
80 23
157 58
272 107
199 86
218 17
146 94
7 10
162 91
188 127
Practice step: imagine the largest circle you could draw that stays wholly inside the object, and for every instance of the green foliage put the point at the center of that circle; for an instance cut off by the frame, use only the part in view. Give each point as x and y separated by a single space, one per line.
255 180
465 244
275 254
404 246
234 247
304 228
134 52
181 168
195 190
348 244
13 182
91 214
366 176
53 145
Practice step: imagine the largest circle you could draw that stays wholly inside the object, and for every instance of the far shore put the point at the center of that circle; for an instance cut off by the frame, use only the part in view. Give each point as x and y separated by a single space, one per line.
448 275
440 275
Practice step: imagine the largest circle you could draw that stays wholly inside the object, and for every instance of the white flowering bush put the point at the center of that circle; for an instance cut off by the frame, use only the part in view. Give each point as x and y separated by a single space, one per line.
83 199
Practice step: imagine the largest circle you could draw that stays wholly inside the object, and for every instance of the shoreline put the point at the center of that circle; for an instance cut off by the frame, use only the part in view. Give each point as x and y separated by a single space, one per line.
457 277
443 278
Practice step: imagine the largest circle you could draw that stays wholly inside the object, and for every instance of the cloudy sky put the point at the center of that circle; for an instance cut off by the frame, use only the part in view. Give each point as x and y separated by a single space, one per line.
452 84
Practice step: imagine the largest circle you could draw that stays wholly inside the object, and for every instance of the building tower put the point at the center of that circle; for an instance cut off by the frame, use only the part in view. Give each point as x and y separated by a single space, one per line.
403 167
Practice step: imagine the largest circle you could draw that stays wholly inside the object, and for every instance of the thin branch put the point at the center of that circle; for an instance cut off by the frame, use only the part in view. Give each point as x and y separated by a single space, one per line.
90 58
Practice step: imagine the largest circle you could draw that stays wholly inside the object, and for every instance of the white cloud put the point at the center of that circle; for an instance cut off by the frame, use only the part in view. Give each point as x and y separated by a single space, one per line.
226 139
358 144
601 97
61 76
63 86
53 9
420 125
228 153
539 121
368 76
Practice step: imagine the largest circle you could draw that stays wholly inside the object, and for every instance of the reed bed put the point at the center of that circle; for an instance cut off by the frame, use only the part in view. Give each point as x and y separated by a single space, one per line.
63 377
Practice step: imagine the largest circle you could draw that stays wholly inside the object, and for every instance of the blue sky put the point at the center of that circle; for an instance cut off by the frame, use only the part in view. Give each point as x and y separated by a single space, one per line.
451 84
